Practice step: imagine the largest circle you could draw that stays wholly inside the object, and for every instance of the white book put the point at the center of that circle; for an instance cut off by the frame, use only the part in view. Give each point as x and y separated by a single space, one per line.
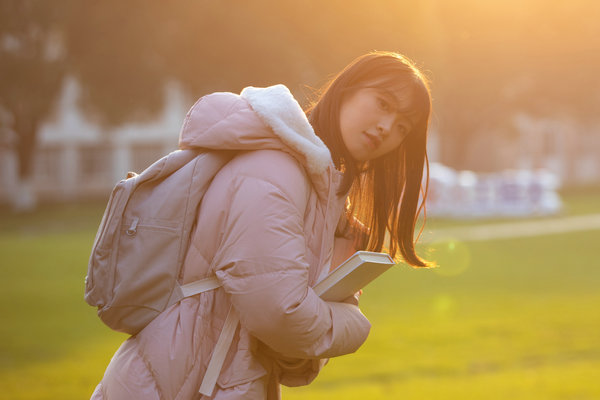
352 275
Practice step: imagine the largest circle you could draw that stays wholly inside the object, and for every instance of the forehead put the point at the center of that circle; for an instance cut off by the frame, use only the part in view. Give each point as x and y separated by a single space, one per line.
401 92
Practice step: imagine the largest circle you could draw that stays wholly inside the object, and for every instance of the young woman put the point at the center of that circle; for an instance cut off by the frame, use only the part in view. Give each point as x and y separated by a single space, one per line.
304 190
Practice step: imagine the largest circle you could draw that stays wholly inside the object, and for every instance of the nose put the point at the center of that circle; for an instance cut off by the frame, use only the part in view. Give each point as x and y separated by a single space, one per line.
385 124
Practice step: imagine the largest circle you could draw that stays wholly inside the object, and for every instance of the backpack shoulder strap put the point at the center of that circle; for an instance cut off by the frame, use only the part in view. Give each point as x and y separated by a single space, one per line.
200 286
220 351
225 338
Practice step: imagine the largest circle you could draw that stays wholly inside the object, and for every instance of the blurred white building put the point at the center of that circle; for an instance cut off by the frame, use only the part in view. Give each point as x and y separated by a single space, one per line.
559 145
510 193
76 159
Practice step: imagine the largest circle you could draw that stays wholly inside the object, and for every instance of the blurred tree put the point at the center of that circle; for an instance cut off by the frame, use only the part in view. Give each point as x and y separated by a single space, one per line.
32 66
490 59
496 59
124 52
114 54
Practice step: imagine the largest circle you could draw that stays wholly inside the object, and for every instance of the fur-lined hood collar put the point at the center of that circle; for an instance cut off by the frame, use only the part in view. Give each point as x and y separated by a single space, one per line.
258 118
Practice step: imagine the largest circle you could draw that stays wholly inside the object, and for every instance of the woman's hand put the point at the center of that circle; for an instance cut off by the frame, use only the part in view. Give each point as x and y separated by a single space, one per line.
353 299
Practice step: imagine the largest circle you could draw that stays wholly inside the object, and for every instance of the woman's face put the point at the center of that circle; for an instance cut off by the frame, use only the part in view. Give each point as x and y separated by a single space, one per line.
371 124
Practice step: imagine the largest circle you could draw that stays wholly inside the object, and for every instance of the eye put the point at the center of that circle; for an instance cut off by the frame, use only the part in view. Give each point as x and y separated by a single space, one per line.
402 130
383 104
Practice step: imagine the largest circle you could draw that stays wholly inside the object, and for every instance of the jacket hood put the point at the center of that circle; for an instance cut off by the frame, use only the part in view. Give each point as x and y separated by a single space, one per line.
258 118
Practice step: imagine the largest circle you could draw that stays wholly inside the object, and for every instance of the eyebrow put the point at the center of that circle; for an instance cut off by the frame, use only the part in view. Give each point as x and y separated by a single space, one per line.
405 118
388 93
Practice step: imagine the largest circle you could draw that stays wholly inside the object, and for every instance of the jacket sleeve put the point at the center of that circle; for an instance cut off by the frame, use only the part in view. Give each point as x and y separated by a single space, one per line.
261 263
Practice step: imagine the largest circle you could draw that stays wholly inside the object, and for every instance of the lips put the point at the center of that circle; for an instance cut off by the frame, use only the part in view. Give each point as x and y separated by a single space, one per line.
374 140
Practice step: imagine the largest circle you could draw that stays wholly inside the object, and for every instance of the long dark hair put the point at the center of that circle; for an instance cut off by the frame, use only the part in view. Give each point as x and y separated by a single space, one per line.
383 193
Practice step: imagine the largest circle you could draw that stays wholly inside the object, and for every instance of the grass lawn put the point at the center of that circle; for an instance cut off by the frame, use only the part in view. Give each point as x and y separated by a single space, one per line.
513 318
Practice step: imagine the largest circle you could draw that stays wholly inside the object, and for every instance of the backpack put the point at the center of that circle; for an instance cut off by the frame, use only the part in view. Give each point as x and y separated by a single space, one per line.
136 259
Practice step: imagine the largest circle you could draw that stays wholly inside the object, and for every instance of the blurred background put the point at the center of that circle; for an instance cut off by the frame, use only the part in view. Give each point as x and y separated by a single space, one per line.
92 89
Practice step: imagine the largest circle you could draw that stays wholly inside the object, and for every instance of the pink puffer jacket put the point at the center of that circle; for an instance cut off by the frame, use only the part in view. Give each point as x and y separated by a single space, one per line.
265 228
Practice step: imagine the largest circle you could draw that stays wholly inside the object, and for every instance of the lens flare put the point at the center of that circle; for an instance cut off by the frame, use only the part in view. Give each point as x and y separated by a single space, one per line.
452 256
444 306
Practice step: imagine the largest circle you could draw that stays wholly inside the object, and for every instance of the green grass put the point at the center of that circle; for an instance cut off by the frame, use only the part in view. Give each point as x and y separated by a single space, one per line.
520 321
52 345
502 319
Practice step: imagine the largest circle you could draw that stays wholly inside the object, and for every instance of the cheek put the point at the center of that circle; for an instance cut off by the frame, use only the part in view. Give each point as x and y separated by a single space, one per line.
400 136
391 145
348 114
398 141
349 123
357 114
